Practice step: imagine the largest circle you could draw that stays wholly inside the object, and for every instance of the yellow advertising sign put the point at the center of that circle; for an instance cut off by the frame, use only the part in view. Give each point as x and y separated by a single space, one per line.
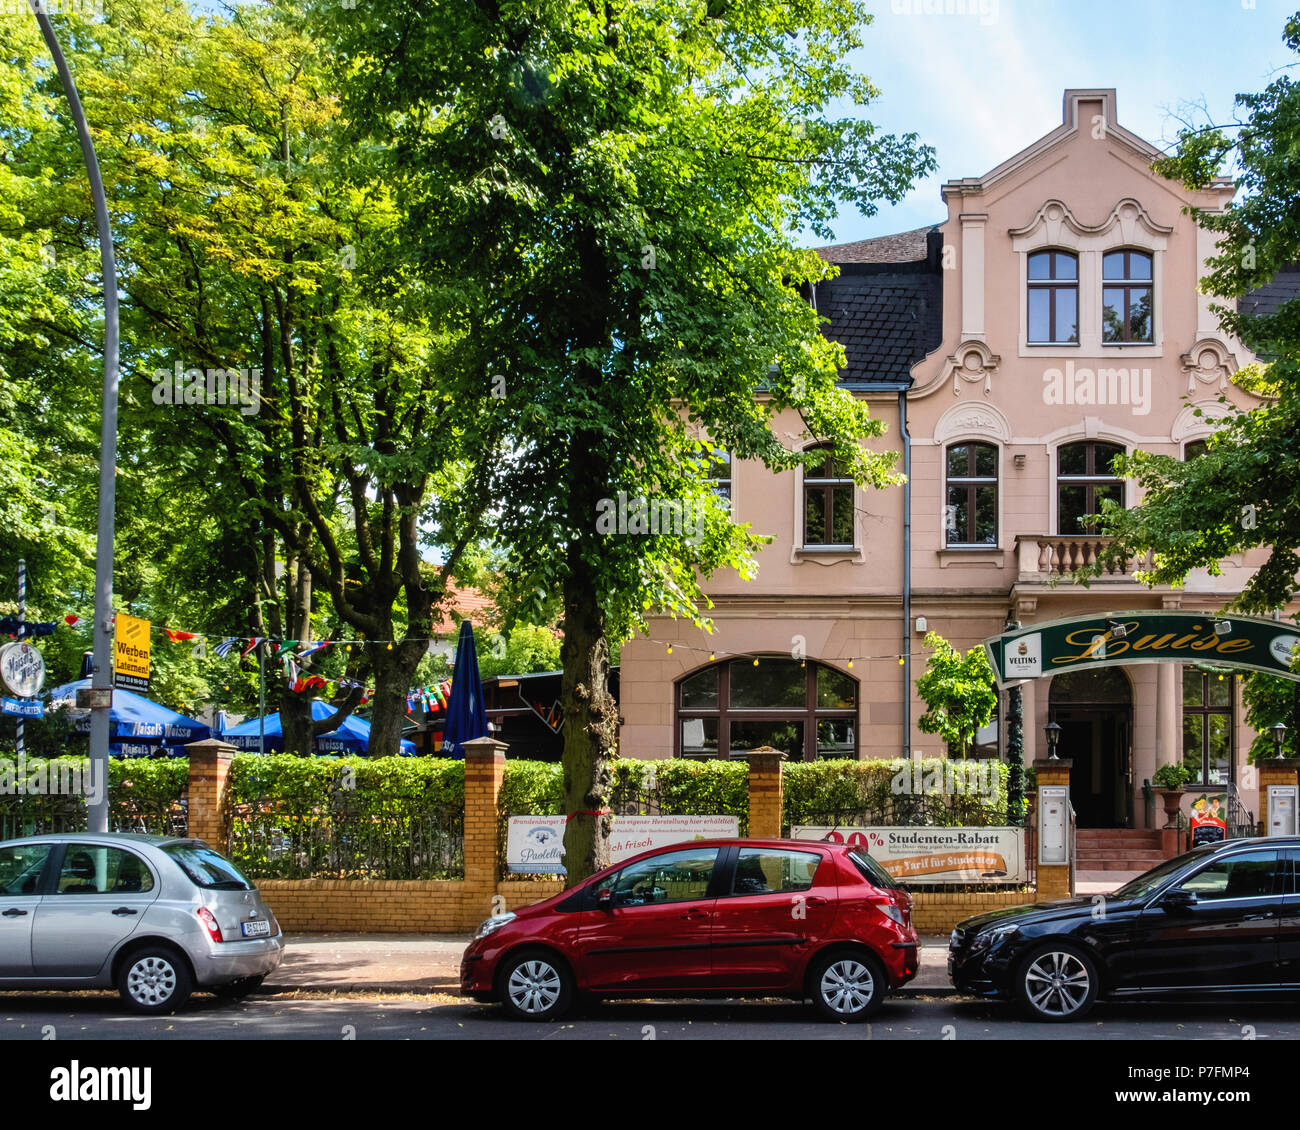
131 653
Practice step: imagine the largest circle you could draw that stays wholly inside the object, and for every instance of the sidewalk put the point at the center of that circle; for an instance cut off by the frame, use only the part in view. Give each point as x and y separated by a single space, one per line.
423 963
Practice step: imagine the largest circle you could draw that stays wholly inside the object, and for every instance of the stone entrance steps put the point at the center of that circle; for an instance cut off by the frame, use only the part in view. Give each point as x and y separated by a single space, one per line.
1117 849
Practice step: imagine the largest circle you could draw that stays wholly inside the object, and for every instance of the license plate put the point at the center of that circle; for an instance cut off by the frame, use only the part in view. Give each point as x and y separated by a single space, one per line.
256 929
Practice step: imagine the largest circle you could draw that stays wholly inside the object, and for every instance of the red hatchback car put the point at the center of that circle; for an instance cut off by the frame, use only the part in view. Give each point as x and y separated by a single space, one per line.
729 918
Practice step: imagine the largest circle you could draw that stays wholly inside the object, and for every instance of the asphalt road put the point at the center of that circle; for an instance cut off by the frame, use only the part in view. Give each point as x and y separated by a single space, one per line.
99 1016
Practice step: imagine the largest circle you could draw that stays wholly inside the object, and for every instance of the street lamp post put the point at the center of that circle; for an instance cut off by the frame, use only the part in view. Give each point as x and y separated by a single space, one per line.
101 677
1278 730
1053 732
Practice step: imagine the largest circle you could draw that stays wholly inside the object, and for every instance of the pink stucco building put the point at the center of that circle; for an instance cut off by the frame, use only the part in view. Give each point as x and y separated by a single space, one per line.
1051 319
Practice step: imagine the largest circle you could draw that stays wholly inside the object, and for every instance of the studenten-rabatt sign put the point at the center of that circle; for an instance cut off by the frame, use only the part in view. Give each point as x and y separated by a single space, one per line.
935 855
535 844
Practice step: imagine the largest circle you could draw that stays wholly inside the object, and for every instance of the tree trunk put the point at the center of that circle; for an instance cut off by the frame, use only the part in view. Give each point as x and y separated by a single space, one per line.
590 729
393 672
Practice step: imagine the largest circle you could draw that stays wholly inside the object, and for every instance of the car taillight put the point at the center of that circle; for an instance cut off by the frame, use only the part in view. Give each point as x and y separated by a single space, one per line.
210 924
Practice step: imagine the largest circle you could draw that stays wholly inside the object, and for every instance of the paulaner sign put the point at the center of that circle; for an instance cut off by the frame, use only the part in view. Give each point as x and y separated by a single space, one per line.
1087 642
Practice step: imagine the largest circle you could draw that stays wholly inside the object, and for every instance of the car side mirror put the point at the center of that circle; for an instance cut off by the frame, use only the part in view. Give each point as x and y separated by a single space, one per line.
605 899
1179 899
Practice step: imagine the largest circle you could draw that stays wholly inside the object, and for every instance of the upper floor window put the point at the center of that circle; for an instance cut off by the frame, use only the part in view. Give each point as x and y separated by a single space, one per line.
1084 477
1126 294
972 514
1053 298
827 502
718 468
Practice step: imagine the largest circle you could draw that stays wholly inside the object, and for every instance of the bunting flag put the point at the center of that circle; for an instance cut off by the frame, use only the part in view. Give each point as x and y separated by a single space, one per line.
179 637
312 648
283 648
73 620
252 644
11 626
223 648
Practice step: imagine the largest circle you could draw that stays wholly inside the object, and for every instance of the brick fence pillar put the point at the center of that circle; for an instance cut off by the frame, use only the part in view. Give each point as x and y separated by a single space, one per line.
765 793
485 767
1274 771
1054 879
209 812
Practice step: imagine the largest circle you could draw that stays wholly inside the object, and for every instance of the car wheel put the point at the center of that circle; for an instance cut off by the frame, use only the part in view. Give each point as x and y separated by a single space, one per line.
236 990
154 979
536 986
1057 982
847 986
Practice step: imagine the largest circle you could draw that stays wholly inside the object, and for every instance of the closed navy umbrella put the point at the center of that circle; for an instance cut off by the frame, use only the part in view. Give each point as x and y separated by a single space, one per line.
465 716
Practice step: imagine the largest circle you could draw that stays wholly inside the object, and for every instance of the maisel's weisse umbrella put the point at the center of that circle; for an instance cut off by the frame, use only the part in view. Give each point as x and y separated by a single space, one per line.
352 735
465 717
140 726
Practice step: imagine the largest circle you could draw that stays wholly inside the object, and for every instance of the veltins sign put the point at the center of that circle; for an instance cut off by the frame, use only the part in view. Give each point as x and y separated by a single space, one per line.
935 855
22 669
1086 642
131 654
535 844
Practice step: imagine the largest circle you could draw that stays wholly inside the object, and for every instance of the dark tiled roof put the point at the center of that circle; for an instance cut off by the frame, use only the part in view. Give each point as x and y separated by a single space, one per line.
886 305
886 321
902 247
1266 299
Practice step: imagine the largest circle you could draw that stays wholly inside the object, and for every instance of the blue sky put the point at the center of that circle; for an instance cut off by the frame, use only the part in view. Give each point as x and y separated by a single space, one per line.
979 89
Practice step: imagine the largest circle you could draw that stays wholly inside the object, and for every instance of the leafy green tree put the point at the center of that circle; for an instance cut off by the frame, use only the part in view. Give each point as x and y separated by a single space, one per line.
1244 492
525 648
959 691
255 236
616 189
1268 700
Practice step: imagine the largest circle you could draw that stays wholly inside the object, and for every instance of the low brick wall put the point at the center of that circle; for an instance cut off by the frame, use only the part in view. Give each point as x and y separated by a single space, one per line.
937 912
443 906
377 906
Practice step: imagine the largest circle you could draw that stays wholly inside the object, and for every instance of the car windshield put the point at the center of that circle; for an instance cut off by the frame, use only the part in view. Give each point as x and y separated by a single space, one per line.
206 868
872 870
1147 883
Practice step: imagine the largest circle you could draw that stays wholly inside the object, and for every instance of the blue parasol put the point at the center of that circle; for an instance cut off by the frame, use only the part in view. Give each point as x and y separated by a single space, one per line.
139 725
465 716
352 736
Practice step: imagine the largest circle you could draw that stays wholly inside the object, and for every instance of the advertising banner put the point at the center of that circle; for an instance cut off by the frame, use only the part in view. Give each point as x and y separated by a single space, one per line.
131 654
935 855
535 844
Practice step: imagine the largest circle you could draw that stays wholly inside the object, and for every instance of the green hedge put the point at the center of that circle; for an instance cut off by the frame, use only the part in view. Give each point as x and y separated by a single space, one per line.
347 817
885 793
302 784
144 794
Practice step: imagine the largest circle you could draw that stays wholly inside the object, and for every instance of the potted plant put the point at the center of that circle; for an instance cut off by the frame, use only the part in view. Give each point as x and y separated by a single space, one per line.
1170 779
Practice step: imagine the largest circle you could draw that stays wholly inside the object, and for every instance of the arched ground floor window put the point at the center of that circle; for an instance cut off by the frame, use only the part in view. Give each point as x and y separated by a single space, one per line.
807 710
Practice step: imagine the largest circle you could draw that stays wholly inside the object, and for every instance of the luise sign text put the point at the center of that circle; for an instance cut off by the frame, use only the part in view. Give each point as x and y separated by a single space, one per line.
1086 642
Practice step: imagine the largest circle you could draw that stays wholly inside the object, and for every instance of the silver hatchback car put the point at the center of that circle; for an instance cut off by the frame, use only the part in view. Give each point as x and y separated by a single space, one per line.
154 916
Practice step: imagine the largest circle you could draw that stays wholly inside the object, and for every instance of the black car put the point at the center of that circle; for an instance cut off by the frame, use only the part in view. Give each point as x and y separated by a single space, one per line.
1224 918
